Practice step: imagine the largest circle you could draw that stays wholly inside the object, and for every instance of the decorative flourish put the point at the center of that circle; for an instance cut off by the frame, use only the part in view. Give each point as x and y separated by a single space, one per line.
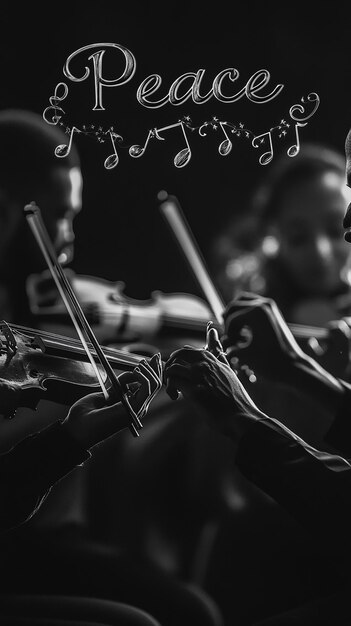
263 141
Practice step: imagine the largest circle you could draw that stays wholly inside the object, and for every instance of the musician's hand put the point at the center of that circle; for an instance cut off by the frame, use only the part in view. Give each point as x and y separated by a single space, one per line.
205 378
142 385
257 334
93 419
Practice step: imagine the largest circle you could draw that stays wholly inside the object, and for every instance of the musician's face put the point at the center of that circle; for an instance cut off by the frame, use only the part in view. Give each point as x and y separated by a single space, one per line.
59 202
310 234
347 218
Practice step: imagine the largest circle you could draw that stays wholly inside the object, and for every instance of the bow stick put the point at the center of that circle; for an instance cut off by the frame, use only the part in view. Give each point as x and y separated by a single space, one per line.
176 220
75 311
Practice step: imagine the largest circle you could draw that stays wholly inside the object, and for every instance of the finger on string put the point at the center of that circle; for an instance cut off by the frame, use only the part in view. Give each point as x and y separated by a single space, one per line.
156 364
213 342
159 366
150 373
143 395
151 381
150 385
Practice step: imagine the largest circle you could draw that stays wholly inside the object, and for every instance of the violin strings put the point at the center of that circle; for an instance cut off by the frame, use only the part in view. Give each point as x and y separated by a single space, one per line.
120 355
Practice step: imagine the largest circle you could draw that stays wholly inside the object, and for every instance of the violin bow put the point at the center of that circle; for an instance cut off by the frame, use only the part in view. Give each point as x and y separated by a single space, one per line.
75 311
175 218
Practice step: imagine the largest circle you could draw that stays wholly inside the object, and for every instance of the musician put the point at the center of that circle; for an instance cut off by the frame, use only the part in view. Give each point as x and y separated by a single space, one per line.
30 171
289 244
311 480
60 536
33 466
312 484
255 328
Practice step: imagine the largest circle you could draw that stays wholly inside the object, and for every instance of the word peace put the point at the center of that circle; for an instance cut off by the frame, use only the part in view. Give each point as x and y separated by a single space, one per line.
188 83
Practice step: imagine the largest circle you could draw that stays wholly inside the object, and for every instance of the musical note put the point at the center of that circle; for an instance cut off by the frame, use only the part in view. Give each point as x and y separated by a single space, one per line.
295 148
312 97
226 145
112 160
63 149
181 158
137 151
267 156
53 102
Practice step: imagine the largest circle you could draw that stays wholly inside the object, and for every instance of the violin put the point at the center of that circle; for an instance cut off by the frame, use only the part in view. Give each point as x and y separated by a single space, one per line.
163 323
116 317
110 311
42 365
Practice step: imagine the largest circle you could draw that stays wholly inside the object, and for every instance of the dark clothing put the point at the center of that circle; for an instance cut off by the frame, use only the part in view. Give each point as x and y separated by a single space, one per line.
29 470
63 558
314 487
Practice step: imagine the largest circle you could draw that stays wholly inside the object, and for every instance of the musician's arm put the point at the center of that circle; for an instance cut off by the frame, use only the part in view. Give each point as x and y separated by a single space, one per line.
313 485
29 470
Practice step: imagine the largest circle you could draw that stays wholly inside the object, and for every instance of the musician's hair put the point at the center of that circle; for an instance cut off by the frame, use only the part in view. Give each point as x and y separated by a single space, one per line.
313 161
27 157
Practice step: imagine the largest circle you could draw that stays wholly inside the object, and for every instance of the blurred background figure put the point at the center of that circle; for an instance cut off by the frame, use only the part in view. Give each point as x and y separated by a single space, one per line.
289 243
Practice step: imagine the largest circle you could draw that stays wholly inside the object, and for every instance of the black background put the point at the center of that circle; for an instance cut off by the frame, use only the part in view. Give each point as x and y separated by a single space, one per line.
120 234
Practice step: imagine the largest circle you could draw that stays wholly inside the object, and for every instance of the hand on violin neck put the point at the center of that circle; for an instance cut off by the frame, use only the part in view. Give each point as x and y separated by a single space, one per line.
256 332
209 384
269 347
